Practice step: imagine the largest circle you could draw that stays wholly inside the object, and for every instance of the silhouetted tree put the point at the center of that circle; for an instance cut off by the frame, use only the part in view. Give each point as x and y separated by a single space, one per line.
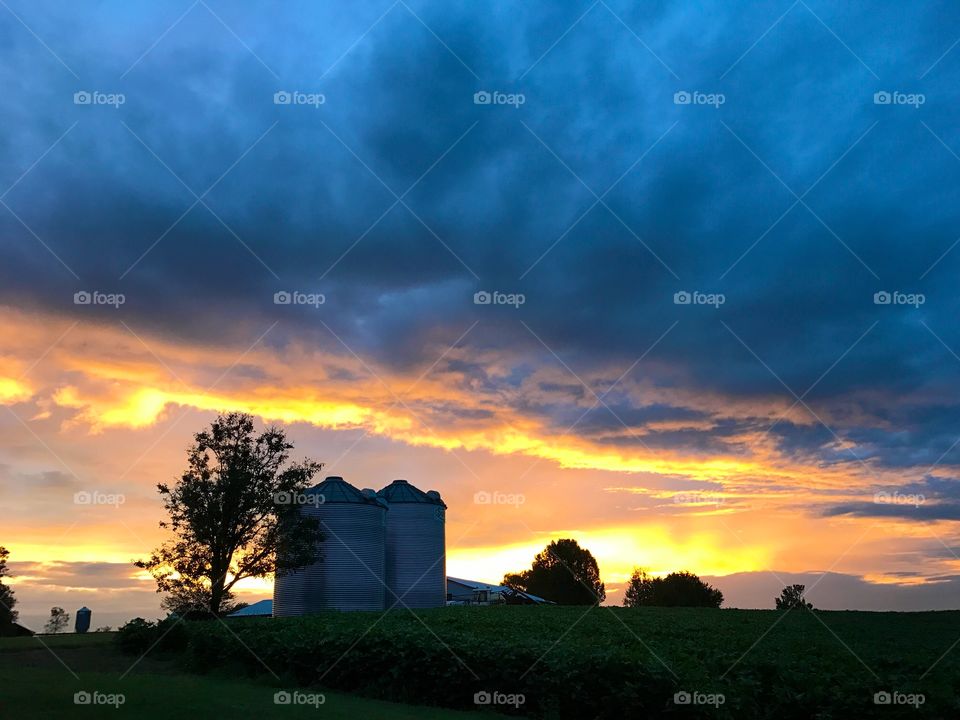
792 598
58 620
234 515
639 590
564 572
678 589
8 616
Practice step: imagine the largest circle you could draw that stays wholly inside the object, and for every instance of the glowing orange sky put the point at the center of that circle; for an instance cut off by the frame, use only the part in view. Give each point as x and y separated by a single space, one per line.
95 407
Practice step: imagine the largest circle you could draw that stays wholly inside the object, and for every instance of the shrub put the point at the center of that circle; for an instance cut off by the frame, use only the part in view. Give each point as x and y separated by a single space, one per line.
139 636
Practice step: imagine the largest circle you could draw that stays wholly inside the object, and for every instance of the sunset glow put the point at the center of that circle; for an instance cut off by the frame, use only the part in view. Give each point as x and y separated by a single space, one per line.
690 334
718 513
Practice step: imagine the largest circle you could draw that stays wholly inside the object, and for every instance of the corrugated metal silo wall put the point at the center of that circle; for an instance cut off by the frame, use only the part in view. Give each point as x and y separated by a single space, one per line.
416 555
351 575
288 599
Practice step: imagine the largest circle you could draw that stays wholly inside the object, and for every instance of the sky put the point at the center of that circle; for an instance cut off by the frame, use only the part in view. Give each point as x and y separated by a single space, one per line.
675 280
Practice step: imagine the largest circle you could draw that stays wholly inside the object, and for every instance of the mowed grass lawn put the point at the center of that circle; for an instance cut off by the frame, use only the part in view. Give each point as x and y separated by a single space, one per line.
34 685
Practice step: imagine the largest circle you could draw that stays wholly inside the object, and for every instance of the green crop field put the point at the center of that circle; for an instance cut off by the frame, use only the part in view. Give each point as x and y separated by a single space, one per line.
540 662
606 662
36 684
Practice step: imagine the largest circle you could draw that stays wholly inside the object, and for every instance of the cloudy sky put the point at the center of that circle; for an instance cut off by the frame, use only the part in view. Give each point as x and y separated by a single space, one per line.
677 282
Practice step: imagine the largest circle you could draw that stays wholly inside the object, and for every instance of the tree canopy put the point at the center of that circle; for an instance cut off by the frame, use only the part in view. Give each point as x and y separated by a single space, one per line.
563 572
59 618
678 589
234 515
8 616
792 598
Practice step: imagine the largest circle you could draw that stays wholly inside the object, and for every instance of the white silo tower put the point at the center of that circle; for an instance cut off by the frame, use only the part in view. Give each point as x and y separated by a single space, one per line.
416 547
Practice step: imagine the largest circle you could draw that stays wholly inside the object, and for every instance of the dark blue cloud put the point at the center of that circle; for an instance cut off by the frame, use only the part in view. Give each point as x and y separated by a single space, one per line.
706 199
932 498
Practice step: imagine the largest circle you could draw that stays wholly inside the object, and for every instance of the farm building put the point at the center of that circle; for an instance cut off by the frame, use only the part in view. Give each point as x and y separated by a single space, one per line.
17 630
264 608
471 592
459 592
382 549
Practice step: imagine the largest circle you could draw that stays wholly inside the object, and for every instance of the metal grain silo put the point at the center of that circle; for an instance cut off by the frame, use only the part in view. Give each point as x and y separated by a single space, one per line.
82 622
416 546
350 574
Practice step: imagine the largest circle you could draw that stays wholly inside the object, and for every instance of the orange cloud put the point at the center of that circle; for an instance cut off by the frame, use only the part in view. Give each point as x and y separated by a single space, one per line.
112 379
99 382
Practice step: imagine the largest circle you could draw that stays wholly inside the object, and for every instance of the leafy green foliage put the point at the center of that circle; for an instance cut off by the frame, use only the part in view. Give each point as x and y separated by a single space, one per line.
608 663
232 517
563 572
679 589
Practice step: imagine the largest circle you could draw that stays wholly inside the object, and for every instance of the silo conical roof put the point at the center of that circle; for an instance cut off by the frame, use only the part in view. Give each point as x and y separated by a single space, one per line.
400 491
335 489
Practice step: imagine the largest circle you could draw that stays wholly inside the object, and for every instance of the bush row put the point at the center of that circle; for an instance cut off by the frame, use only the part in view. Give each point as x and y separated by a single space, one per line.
562 667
